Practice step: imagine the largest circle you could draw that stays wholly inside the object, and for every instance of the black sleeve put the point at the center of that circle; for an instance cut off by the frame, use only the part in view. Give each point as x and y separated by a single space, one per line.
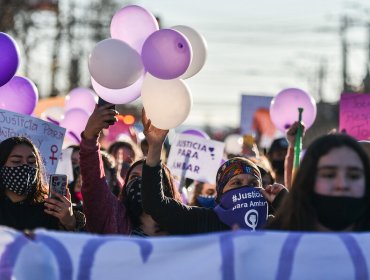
175 217
279 199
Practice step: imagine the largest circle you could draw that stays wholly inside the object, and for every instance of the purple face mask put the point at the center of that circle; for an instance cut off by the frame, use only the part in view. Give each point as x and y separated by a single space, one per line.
245 207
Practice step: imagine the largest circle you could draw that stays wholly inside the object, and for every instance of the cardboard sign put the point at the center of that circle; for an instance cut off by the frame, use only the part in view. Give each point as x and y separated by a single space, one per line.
195 157
47 137
354 116
255 119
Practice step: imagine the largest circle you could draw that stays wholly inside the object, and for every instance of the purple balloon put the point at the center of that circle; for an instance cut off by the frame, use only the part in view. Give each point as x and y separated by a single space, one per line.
9 58
133 25
196 132
284 108
82 98
19 95
119 96
166 54
75 121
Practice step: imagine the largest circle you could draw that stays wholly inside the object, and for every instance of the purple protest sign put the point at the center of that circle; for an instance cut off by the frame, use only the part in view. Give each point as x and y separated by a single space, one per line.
245 207
354 116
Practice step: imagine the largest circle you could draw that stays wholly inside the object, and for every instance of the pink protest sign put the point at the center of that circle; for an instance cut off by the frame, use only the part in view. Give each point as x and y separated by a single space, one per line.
354 116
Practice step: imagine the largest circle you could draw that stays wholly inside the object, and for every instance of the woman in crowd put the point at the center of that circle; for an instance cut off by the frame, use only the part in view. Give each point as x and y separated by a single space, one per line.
331 190
105 213
23 191
204 195
125 154
239 189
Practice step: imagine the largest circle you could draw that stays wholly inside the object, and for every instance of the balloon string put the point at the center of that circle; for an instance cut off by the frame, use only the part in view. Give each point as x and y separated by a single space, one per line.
298 143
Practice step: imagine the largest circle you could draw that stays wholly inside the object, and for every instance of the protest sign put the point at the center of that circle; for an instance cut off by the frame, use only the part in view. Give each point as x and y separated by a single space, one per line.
255 119
47 137
195 157
244 207
354 116
220 256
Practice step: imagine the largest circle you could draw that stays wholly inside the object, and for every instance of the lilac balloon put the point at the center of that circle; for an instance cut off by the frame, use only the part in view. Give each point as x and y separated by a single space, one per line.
19 95
9 58
82 98
119 96
114 64
166 54
196 132
284 108
75 121
133 25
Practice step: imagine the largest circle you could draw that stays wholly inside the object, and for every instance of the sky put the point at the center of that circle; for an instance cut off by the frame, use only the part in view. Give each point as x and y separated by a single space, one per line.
262 47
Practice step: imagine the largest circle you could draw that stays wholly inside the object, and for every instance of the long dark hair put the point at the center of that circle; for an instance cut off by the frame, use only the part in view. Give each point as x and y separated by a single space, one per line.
297 212
6 147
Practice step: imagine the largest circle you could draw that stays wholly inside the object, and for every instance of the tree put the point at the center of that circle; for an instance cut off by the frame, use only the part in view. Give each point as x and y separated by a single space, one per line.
66 29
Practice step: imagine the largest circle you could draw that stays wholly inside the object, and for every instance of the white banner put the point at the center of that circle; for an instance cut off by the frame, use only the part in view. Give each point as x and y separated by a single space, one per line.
195 157
224 256
47 137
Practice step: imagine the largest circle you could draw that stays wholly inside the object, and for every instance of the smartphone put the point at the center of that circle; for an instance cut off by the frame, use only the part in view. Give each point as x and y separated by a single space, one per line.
102 102
58 183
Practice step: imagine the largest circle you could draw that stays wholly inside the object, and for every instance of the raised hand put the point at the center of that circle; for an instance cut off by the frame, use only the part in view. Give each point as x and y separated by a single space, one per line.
98 120
292 132
61 208
271 191
155 137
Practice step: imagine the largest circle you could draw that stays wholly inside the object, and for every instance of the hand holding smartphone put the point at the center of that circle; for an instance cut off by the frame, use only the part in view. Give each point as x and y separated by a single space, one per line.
102 102
57 183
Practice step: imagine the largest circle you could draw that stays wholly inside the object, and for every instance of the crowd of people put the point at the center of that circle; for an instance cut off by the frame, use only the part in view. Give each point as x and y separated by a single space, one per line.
121 191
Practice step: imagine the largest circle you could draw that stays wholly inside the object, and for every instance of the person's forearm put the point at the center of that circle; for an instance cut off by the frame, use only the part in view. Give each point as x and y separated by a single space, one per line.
288 167
97 198
154 155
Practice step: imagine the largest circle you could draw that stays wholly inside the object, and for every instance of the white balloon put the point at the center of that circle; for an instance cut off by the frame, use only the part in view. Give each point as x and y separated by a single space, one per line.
114 64
167 103
199 48
233 144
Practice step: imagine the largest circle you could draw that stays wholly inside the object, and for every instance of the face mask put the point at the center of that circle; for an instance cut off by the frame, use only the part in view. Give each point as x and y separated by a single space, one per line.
245 207
133 195
206 201
20 180
336 212
278 166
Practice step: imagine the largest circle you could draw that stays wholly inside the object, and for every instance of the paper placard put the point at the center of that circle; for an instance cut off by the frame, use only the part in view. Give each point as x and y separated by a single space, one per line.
46 136
195 157
255 119
354 116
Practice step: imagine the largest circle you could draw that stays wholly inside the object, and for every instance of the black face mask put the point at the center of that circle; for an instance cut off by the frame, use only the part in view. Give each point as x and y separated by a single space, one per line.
278 166
338 212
